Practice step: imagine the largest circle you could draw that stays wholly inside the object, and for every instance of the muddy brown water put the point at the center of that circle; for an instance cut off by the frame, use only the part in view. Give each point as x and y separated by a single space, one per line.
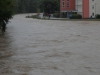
50 47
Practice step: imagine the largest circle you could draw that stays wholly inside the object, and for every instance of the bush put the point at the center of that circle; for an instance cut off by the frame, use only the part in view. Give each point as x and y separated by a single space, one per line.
76 16
57 14
34 16
98 16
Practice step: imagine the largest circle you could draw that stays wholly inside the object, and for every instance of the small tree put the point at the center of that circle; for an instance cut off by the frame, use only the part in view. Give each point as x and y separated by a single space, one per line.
6 12
50 6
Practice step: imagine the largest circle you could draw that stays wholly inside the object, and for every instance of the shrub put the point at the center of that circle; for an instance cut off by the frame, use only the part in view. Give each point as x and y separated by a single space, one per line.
98 16
34 16
76 16
57 14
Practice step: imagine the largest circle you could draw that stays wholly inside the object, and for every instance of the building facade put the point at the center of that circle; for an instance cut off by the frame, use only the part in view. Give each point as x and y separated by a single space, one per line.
86 8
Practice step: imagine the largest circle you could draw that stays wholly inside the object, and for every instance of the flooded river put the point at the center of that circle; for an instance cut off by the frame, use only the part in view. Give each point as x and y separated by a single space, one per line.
50 47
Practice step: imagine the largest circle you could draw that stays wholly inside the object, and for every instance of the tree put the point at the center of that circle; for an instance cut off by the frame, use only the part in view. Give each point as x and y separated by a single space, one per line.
50 6
6 12
26 6
31 6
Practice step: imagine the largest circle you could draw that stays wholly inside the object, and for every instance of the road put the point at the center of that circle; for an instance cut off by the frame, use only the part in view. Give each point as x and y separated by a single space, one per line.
50 47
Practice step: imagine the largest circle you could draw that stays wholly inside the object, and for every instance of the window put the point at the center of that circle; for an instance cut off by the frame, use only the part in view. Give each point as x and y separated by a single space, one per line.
63 4
92 14
92 6
68 3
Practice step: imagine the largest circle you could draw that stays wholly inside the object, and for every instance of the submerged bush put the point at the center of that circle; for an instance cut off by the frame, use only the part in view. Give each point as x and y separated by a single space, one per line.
98 16
34 16
76 16
57 14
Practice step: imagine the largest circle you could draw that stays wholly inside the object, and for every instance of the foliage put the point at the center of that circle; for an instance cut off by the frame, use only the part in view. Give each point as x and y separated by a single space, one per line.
98 16
34 16
32 6
6 11
38 10
76 16
50 6
57 14
26 6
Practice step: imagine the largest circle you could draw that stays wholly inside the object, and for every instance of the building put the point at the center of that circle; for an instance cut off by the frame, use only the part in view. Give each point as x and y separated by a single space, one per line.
86 8
67 7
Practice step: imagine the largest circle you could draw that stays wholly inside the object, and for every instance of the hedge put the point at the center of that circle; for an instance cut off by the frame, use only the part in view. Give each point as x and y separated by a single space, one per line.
32 16
98 16
76 16
57 14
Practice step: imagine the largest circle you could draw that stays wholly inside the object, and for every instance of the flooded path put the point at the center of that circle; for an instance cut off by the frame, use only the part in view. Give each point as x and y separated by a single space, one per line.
50 47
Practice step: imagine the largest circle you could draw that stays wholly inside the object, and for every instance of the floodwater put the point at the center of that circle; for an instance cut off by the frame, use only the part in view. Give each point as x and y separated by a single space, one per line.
50 47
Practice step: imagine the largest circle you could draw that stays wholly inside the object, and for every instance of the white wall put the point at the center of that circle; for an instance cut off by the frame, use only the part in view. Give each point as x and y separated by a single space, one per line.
96 9
79 6
97 6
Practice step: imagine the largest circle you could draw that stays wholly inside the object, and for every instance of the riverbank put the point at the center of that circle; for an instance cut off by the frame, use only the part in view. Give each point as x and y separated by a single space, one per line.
67 19
35 16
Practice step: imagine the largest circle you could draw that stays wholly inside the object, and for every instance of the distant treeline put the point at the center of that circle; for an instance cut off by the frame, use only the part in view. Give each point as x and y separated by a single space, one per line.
32 6
26 6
